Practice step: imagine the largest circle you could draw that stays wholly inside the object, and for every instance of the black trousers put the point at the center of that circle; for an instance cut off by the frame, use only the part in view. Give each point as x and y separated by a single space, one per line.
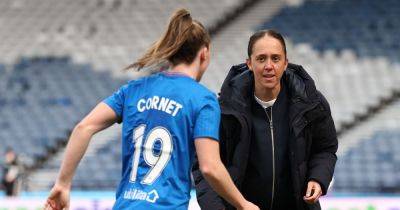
9 187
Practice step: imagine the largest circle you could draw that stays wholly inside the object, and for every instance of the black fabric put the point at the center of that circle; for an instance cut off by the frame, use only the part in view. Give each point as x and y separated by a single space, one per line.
312 150
259 178
9 188
283 195
257 182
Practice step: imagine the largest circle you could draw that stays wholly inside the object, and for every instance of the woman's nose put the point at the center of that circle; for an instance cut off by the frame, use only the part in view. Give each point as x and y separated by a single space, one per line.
268 65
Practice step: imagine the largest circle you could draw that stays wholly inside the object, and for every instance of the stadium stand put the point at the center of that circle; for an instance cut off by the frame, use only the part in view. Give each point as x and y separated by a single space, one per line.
364 26
369 157
42 99
109 165
106 33
100 168
376 172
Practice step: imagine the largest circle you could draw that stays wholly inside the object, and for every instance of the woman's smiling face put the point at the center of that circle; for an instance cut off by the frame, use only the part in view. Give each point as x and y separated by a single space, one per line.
268 62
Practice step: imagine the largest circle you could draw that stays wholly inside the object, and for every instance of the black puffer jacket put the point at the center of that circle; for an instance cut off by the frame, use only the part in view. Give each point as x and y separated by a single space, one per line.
312 151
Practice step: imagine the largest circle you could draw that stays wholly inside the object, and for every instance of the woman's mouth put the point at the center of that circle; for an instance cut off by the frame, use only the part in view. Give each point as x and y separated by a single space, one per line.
269 76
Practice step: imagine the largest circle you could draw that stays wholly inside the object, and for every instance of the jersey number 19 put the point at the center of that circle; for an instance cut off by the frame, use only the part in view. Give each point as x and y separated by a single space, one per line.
157 162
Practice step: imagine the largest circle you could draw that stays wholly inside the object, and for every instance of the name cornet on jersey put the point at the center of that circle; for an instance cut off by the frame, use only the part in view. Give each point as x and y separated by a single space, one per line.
166 105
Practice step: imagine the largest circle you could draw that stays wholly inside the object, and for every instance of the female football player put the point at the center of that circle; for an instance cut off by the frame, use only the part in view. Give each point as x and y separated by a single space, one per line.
167 117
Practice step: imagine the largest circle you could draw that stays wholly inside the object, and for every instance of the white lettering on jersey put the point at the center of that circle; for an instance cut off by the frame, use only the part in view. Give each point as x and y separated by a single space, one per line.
140 105
166 105
136 194
163 104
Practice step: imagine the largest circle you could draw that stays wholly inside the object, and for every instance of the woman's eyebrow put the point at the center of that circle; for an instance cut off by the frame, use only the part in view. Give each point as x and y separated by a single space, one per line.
265 55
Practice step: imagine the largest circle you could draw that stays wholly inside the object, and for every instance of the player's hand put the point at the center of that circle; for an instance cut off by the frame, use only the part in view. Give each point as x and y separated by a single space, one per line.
313 192
249 206
58 198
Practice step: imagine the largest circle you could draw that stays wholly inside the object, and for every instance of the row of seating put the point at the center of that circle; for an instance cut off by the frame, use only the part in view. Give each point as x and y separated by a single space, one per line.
367 27
372 166
41 99
91 31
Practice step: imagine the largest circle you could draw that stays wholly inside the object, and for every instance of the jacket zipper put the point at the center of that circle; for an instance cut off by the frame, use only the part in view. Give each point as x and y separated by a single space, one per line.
271 127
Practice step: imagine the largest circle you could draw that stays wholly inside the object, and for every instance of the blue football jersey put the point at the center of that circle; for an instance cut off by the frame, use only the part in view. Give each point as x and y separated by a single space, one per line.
162 115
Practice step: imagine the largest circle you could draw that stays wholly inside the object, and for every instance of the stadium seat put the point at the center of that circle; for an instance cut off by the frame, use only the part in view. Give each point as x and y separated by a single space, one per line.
45 98
372 166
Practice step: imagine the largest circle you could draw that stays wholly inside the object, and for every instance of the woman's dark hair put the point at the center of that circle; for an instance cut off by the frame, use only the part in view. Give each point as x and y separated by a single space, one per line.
260 34
181 41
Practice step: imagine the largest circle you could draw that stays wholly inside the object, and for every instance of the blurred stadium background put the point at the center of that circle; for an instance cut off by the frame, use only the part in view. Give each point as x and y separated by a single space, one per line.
58 58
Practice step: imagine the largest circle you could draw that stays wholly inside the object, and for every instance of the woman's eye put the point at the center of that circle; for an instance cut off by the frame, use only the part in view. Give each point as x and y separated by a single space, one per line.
275 59
261 59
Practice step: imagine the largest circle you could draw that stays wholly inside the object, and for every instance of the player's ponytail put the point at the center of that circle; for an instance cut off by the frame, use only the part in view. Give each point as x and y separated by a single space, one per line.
180 43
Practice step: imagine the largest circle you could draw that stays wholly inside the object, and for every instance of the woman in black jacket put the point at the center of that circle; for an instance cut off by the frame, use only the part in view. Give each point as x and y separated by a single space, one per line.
277 135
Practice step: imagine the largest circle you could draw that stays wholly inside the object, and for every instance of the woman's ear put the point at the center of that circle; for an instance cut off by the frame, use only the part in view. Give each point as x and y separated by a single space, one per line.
204 54
248 62
204 57
286 63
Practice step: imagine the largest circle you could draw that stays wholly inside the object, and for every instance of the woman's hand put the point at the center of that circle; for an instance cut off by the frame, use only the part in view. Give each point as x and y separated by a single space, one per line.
313 193
58 198
249 206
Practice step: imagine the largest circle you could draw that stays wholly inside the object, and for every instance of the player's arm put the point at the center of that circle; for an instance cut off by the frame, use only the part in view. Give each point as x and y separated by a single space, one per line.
217 176
101 117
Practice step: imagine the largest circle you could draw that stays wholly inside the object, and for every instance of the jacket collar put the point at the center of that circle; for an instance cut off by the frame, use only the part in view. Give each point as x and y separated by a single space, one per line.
301 85
238 87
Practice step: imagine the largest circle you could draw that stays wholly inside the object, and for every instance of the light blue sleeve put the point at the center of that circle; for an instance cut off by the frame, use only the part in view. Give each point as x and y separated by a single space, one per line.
116 101
208 118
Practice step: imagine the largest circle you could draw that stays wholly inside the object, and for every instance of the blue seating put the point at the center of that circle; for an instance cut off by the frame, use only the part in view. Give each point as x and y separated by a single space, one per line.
367 27
44 98
372 166
102 171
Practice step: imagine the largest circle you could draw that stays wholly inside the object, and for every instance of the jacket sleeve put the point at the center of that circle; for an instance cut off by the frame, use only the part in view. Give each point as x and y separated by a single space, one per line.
323 150
206 196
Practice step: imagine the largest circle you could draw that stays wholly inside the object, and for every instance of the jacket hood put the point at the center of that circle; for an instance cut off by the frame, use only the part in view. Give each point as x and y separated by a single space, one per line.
238 87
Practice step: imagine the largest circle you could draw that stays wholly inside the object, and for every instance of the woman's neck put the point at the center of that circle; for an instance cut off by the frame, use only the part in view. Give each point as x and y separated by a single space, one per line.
266 94
190 70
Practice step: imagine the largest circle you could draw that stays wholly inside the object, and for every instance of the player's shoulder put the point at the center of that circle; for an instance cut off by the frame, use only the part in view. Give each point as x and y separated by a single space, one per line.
134 83
126 87
201 92
205 91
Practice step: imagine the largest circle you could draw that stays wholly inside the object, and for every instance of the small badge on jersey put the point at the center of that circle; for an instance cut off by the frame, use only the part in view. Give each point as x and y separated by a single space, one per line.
135 194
